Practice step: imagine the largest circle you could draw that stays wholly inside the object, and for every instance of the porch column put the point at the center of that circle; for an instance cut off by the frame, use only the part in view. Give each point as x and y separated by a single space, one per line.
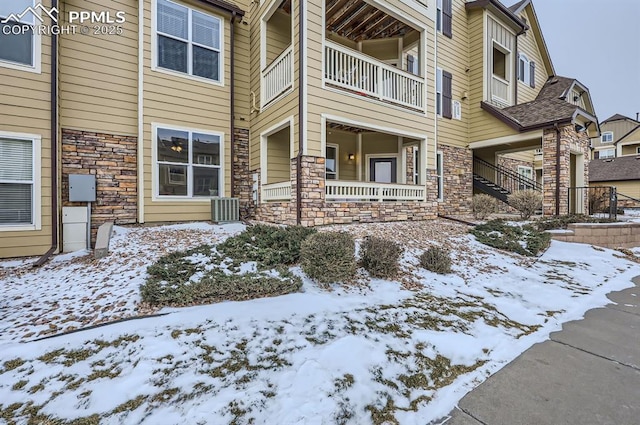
422 162
359 156
402 153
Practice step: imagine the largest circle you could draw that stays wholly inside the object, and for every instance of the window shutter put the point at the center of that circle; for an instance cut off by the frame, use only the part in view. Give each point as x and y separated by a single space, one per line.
446 94
532 74
447 18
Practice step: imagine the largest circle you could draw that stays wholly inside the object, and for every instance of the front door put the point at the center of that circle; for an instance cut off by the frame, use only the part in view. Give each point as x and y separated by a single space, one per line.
383 170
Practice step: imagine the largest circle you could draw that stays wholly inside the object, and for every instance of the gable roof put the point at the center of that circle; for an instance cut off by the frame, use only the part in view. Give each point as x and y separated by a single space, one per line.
517 8
632 131
617 117
615 169
499 9
549 108
534 25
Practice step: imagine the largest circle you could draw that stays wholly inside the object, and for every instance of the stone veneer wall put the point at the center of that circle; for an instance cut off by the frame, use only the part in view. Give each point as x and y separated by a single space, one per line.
512 164
242 176
317 212
458 180
570 142
609 235
113 160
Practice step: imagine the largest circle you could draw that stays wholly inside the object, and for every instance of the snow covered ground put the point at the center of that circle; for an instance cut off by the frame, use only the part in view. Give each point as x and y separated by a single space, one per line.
74 290
373 354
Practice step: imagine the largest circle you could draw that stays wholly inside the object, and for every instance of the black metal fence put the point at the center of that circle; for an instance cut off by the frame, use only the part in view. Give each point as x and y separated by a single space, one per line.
599 200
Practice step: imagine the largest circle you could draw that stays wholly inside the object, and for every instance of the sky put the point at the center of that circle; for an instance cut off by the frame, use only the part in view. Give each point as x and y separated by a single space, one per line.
598 43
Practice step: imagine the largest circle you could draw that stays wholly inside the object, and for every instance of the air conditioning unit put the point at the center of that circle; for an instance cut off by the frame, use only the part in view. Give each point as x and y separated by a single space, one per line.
225 210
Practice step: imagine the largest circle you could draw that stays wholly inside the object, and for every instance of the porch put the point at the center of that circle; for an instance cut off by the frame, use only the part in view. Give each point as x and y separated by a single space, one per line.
359 166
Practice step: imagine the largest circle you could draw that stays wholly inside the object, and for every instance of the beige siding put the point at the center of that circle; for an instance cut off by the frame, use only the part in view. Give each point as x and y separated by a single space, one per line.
323 100
631 150
620 128
25 108
181 101
453 57
628 188
278 157
528 45
99 73
281 109
347 143
482 125
278 34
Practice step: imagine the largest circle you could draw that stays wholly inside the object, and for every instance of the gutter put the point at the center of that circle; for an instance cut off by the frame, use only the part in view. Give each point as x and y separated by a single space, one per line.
232 108
557 169
54 148
301 84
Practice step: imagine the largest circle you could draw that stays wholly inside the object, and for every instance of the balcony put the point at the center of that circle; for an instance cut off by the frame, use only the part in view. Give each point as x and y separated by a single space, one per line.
277 78
363 75
500 92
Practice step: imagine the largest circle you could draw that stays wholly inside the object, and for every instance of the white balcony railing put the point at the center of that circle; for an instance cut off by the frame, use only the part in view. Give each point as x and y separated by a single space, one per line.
337 190
277 77
500 91
362 74
276 192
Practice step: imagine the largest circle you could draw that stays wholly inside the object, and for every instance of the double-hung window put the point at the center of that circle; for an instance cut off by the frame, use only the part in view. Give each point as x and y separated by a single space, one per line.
188 163
443 93
17 40
440 175
188 41
606 137
17 182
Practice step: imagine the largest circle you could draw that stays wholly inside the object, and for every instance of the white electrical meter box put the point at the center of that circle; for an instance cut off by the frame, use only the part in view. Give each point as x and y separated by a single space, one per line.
74 228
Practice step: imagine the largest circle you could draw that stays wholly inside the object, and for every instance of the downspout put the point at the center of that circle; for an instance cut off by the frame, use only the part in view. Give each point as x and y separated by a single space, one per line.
300 113
517 68
232 109
557 169
54 147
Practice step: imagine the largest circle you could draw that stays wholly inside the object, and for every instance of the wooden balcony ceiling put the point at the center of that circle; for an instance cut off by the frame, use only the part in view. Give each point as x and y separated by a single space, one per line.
358 20
286 6
344 127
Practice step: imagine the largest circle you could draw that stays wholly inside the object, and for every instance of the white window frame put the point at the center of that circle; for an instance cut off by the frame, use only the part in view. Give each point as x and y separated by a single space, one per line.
525 76
36 182
416 166
337 148
36 40
531 176
606 133
439 78
439 16
611 153
507 61
155 167
154 45
440 175
638 150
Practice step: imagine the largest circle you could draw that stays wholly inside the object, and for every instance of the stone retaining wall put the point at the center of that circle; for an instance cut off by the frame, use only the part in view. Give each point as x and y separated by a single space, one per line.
609 235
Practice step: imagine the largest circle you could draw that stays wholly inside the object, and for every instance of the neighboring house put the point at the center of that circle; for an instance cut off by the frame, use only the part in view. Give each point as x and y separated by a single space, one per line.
621 172
619 136
315 113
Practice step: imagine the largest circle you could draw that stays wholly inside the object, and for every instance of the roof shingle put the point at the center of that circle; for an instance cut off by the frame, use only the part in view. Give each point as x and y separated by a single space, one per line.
615 169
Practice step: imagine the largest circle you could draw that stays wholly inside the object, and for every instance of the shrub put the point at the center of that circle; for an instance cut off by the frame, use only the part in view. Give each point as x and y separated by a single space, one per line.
525 240
380 257
483 206
197 276
218 286
561 221
526 202
267 245
329 257
437 260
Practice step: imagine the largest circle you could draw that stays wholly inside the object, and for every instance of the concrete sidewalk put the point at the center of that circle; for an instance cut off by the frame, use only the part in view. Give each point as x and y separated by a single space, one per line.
587 374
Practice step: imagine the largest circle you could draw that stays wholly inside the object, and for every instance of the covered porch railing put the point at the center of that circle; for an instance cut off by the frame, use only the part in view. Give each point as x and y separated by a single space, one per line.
277 77
362 74
276 192
339 190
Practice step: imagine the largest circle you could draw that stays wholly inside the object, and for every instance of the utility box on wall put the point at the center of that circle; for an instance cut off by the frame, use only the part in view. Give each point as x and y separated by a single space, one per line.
74 228
82 188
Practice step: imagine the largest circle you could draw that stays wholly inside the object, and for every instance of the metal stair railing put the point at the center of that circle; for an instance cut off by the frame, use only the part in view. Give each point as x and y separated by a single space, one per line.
503 177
